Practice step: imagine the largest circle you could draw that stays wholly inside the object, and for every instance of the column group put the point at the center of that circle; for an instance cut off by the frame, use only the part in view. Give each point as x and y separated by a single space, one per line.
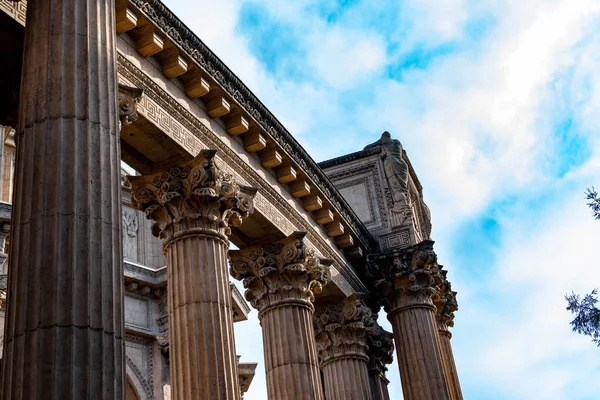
281 280
406 282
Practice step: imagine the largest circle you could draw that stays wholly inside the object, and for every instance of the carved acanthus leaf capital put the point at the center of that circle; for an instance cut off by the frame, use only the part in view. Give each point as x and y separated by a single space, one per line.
445 304
341 330
283 272
128 98
406 277
381 349
194 198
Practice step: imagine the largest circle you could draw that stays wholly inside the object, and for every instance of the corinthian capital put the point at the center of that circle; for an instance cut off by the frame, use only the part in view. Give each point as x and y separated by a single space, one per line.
405 277
341 330
282 272
194 198
445 304
381 349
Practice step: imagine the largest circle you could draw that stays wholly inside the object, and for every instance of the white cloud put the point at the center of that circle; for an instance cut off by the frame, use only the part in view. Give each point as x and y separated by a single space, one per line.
477 124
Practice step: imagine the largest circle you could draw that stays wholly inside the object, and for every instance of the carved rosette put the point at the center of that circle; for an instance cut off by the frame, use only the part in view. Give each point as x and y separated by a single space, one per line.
381 350
405 278
445 304
191 199
280 273
341 330
128 99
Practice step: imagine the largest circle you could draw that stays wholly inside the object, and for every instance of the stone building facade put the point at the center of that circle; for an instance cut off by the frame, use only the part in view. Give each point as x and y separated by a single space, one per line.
132 158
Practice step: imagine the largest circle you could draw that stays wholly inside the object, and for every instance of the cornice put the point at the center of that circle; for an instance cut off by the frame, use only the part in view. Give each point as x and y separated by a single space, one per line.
153 91
349 157
172 27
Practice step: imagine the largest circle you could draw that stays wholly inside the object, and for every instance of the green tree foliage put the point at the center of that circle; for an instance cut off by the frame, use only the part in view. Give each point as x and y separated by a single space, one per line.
587 314
594 203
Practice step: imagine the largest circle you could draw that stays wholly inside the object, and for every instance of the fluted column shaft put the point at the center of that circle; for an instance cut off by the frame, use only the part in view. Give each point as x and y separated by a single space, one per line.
341 330
346 378
193 206
291 363
448 357
379 386
202 346
406 280
381 350
281 280
64 334
418 350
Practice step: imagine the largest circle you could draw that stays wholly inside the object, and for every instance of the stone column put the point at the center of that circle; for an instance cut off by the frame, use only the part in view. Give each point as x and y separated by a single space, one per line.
193 207
381 350
446 305
64 335
341 332
281 280
405 281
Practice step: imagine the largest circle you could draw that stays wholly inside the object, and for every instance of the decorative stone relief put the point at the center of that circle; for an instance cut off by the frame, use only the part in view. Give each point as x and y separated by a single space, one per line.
381 349
130 230
405 277
445 304
285 271
195 196
17 10
140 359
128 98
272 199
341 329
163 314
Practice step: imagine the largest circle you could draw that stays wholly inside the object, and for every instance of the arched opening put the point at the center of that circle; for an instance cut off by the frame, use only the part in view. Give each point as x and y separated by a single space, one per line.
130 393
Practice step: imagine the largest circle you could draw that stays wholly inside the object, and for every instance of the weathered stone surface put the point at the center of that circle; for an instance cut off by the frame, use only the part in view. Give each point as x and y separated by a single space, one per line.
64 336
446 305
405 281
341 332
280 281
381 350
193 207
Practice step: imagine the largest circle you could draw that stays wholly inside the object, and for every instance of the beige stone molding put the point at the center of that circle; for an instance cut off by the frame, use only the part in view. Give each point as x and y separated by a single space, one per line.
191 199
341 330
405 278
280 273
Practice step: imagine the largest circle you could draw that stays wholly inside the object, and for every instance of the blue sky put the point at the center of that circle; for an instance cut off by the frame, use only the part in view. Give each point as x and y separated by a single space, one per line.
497 104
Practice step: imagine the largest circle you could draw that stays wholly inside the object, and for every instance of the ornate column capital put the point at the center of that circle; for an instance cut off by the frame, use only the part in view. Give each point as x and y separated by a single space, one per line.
193 198
445 304
381 350
405 278
341 330
280 273
128 98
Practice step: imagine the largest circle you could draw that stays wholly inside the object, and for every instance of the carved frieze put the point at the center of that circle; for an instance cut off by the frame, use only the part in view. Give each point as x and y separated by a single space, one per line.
341 330
192 198
181 36
282 272
405 278
268 200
